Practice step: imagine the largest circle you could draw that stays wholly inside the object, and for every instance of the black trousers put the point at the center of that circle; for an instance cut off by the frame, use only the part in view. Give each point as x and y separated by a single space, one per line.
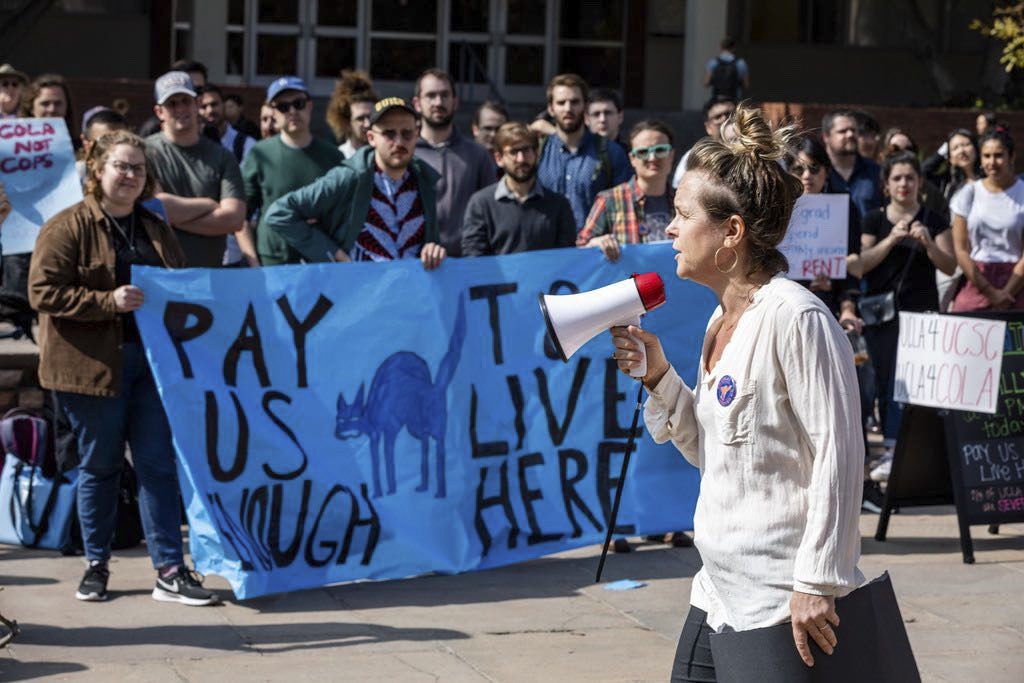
694 663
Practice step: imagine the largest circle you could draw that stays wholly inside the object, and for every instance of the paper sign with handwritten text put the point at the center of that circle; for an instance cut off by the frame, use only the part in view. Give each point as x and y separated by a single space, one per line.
816 240
948 361
37 168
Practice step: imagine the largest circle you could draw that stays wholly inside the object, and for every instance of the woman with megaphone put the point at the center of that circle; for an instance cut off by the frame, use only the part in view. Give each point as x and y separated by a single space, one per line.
773 422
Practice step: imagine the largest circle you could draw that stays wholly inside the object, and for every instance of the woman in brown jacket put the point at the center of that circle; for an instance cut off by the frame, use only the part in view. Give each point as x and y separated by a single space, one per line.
91 354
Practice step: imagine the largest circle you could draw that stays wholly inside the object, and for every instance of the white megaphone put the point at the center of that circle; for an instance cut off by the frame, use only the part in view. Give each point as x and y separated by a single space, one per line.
574 319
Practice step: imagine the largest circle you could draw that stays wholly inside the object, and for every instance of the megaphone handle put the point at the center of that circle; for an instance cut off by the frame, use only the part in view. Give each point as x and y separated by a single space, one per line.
641 369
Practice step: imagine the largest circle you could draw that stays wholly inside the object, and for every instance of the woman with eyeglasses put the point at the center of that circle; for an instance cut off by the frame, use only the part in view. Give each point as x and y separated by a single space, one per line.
90 353
638 210
988 231
902 245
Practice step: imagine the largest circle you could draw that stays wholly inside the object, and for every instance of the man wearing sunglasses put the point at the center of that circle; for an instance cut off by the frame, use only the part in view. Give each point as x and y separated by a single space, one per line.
380 205
199 181
12 85
638 210
284 162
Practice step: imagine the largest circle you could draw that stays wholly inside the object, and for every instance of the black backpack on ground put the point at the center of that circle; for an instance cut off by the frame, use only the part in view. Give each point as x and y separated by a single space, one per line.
725 78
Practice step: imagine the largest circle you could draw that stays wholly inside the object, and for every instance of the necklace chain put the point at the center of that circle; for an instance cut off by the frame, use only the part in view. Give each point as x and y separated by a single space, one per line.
129 237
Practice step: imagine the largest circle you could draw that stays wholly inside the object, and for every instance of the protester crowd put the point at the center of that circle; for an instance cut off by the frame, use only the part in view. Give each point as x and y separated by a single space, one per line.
202 186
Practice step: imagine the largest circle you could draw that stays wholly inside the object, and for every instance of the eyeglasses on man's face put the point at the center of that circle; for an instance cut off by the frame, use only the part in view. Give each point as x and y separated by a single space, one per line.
298 104
392 134
653 152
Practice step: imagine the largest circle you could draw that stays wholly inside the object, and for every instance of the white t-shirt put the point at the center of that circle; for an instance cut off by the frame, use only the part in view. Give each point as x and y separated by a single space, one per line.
775 429
677 177
995 221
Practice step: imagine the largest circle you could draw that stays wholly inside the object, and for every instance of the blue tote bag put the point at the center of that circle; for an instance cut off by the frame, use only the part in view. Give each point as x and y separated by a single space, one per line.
35 511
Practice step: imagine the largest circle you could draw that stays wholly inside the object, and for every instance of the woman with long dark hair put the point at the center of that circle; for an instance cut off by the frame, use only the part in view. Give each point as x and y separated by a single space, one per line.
988 224
902 245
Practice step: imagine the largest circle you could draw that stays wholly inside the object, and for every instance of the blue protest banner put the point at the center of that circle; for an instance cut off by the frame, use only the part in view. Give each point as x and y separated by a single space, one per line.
37 168
348 421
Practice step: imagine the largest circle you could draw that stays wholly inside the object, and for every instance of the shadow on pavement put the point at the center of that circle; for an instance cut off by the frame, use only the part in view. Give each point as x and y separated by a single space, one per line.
11 580
901 545
547 577
13 670
269 638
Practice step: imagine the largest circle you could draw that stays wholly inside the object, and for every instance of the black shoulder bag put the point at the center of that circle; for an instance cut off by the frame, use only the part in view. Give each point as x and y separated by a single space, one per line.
878 309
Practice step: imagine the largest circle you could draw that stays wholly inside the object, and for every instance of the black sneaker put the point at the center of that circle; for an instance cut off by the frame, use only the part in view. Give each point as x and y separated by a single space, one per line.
873 498
183 586
93 587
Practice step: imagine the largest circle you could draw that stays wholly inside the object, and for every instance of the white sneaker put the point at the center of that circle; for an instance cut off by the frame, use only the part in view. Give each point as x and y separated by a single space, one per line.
881 471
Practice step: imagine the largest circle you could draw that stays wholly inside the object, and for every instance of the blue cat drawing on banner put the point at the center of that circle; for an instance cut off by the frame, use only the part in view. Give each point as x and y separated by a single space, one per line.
402 394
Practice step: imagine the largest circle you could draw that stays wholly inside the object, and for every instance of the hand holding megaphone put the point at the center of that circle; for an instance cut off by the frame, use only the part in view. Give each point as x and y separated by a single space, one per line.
574 319
633 345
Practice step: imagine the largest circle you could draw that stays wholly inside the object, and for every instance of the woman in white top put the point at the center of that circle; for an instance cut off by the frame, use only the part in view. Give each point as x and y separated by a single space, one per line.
774 420
988 223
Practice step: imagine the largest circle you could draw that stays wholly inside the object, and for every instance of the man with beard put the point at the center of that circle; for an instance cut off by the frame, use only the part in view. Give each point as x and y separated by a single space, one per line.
199 181
285 162
12 85
380 205
850 172
211 113
516 214
464 166
574 162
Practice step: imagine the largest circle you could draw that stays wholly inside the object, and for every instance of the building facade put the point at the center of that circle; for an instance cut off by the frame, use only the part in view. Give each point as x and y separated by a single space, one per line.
878 52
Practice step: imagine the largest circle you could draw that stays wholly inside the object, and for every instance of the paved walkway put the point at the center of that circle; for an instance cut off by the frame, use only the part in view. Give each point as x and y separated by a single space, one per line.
540 621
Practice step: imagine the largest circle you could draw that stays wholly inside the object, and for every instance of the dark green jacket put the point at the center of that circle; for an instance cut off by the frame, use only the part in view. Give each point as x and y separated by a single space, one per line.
338 204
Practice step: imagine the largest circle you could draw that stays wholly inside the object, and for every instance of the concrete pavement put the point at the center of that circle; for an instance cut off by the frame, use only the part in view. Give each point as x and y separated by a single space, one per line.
539 621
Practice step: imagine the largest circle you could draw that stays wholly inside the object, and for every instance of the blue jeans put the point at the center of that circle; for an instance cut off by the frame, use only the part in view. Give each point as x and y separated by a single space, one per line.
102 425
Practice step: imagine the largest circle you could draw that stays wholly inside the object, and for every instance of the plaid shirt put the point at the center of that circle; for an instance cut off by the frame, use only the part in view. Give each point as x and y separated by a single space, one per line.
619 211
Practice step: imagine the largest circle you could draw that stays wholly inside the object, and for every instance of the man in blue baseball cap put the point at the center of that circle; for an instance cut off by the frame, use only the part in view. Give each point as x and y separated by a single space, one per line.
201 186
284 162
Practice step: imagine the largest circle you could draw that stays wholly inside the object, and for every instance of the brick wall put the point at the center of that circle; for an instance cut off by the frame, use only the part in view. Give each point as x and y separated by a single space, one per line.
928 126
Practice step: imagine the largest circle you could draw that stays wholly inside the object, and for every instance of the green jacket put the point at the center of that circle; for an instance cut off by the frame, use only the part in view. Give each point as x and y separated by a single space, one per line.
338 203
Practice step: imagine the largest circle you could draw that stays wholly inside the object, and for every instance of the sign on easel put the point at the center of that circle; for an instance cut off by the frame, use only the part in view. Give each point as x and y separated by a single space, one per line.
948 452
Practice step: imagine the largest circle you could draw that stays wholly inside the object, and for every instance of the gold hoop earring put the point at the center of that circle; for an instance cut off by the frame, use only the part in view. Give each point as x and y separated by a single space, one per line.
735 260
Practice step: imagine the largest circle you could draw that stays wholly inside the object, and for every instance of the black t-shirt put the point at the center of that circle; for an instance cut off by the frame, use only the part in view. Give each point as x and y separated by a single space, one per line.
657 216
132 246
918 292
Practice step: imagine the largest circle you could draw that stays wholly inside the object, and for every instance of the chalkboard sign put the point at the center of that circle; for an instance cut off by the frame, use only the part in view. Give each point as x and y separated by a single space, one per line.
974 460
986 452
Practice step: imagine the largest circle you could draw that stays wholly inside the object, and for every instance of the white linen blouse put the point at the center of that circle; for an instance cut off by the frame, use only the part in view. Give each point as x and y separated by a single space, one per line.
775 429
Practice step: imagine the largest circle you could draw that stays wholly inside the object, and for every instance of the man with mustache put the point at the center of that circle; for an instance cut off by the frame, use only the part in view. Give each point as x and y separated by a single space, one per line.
463 165
380 205
516 214
574 162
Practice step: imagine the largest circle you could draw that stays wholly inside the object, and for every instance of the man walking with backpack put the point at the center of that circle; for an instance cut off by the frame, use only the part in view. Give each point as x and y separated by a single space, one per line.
727 75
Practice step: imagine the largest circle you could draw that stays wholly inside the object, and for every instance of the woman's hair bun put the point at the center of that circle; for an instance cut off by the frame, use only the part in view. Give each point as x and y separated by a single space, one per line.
755 136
